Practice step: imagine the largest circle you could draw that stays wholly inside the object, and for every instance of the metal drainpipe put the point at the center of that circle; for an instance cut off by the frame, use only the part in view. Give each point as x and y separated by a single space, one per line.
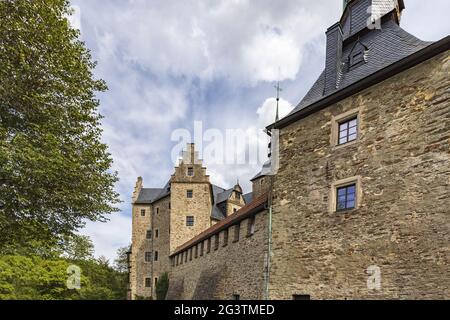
269 241
152 251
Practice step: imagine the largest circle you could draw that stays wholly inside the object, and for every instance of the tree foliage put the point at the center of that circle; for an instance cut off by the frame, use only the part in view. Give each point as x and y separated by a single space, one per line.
54 169
162 286
35 278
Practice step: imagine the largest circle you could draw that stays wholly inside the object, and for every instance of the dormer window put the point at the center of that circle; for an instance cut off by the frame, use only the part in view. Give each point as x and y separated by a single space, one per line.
356 58
190 172
357 55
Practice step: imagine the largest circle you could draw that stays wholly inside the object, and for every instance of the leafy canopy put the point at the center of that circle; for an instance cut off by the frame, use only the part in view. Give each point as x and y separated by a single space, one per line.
54 169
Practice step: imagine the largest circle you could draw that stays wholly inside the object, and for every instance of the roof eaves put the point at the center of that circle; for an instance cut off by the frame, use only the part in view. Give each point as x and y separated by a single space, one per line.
375 78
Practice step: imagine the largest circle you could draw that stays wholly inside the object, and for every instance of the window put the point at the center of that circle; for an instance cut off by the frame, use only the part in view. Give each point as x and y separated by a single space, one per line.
346 198
189 221
348 131
149 234
251 226
157 210
238 196
234 210
157 233
225 238
142 212
148 282
216 242
148 257
156 255
208 246
236 297
202 248
190 172
356 58
190 194
156 282
237 229
301 297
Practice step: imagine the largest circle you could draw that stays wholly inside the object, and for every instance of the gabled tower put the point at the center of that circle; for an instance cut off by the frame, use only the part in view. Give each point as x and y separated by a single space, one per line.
191 199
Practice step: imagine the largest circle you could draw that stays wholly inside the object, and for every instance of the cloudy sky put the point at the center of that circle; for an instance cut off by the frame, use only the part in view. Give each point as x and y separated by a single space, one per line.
170 63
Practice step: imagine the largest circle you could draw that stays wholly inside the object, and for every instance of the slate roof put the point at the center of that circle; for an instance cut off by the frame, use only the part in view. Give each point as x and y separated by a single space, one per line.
385 47
264 171
148 195
151 195
248 197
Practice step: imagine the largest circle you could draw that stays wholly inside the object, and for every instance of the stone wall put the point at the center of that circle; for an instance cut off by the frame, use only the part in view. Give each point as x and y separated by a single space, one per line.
260 186
402 159
140 244
234 269
160 244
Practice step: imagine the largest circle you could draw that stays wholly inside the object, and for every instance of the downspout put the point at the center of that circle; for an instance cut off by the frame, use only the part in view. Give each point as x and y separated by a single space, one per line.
152 282
269 242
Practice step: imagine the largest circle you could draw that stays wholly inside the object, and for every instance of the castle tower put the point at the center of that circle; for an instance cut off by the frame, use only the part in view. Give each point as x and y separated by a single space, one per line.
191 199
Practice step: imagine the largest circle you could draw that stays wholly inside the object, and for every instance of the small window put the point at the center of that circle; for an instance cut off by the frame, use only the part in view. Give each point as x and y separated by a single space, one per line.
251 226
356 58
208 246
234 210
216 242
156 282
237 229
348 131
301 297
148 282
225 238
190 172
189 221
142 212
236 297
156 255
157 233
149 234
190 194
148 257
238 196
157 210
346 198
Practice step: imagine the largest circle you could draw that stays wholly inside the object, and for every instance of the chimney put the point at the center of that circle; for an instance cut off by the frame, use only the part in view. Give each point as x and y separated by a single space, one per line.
137 189
333 57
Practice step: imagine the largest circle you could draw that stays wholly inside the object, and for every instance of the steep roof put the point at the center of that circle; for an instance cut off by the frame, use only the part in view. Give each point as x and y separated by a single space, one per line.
385 47
254 207
148 195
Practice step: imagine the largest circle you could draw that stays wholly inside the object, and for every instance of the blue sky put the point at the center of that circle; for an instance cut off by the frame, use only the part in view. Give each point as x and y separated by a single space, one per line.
170 63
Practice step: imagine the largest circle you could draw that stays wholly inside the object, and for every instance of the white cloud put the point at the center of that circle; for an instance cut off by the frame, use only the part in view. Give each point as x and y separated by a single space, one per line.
108 237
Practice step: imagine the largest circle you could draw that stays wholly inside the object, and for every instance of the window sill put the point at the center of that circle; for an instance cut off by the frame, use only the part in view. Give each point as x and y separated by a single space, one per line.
346 211
347 144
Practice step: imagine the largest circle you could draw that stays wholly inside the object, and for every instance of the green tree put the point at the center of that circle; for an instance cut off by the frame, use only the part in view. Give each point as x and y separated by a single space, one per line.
121 261
78 247
54 169
162 286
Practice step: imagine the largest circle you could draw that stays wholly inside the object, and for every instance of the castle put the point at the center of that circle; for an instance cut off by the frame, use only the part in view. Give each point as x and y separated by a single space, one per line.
359 208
